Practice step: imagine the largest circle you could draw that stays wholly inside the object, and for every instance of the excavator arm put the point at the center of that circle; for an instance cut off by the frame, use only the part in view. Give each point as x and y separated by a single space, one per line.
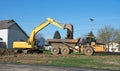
31 41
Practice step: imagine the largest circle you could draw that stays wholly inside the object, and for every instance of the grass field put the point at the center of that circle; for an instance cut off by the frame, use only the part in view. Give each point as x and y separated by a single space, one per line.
111 62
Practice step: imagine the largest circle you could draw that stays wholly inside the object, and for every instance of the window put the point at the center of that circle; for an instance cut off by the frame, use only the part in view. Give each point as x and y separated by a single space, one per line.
1 39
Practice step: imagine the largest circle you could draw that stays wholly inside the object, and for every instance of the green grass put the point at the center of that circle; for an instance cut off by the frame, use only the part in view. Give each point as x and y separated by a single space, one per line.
89 62
102 61
111 62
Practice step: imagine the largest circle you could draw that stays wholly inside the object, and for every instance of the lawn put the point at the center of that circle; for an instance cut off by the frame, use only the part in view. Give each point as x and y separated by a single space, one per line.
111 62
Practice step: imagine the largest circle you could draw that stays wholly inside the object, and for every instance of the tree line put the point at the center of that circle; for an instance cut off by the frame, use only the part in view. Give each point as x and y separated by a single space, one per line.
108 34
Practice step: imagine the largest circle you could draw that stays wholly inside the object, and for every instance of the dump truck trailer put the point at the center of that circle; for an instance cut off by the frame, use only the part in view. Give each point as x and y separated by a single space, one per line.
62 46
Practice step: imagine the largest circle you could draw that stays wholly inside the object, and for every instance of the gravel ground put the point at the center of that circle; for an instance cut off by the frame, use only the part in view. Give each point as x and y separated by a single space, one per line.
21 67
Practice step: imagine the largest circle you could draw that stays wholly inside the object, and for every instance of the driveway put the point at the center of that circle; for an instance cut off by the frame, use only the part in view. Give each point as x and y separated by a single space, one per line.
21 67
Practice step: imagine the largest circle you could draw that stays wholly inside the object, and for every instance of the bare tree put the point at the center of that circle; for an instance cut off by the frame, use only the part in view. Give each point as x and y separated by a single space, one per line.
117 38
106 34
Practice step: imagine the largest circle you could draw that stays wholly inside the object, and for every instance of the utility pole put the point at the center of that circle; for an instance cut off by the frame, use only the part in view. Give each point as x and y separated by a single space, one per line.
91 23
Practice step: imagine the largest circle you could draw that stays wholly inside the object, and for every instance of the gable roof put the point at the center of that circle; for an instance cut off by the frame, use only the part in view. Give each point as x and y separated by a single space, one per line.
6 24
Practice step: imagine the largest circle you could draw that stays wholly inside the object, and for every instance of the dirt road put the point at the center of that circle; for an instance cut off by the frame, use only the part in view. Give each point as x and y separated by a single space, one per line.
21 67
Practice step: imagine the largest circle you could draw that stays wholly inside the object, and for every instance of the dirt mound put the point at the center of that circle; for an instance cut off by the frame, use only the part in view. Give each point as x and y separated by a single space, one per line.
4 51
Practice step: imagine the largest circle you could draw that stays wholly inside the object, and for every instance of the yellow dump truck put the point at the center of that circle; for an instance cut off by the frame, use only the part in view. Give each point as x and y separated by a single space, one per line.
66 46
86 46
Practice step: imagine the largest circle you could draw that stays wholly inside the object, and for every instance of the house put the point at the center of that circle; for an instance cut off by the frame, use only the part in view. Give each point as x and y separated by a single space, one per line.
10 31
113 47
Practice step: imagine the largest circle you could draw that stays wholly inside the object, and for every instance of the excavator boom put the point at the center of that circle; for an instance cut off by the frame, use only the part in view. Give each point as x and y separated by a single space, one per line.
31 41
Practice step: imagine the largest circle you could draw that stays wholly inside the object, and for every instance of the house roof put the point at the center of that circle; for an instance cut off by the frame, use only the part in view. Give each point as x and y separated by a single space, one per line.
6 24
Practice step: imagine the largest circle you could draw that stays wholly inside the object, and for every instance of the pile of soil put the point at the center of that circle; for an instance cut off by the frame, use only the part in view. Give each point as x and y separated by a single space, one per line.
5 51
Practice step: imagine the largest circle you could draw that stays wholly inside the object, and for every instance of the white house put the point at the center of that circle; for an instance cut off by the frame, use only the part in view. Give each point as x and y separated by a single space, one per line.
10 31
113 47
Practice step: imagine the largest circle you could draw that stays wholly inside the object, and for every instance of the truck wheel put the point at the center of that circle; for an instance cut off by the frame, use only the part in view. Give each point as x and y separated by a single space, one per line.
65 50
55 50
88 51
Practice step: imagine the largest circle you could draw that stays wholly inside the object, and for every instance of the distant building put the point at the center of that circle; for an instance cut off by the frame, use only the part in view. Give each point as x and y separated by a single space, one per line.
113 47
10 31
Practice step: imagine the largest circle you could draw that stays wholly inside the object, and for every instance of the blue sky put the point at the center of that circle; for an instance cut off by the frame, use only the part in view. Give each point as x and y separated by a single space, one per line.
30 13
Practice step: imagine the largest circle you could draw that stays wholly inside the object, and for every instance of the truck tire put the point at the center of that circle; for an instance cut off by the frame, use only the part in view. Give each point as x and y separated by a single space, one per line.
65 50
88 51
55 50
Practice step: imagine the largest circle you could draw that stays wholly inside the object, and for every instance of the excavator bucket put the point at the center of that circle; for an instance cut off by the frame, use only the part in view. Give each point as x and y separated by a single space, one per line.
69 28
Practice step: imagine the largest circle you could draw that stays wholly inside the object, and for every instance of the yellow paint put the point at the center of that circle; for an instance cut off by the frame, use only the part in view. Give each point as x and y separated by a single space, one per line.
31 41
21 45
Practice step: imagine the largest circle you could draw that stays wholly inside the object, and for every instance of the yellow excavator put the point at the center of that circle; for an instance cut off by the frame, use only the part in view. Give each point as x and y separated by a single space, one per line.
30 44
